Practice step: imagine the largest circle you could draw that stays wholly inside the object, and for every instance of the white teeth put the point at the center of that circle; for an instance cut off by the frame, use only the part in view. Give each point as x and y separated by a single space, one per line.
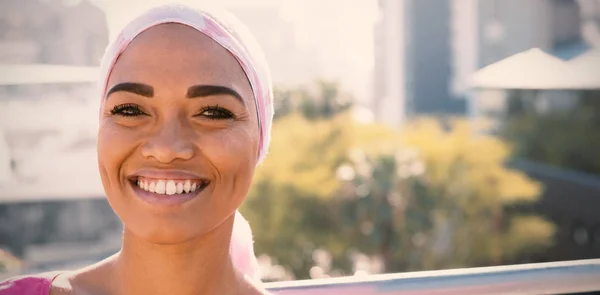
160 187
187 186
171 188
168 187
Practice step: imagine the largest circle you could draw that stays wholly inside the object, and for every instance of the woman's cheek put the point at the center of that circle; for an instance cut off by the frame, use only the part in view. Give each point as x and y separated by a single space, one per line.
115 144
231 149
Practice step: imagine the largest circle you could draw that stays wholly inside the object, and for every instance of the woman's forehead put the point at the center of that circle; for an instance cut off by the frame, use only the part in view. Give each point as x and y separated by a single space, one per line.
175 35
181 54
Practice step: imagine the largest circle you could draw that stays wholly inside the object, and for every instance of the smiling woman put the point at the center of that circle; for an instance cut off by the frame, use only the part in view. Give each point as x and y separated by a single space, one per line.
185 119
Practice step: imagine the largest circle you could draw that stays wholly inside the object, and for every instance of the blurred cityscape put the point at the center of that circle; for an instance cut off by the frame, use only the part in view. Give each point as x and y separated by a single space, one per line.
403 189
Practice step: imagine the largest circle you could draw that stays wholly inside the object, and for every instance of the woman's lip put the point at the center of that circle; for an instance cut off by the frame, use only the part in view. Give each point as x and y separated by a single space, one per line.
167 174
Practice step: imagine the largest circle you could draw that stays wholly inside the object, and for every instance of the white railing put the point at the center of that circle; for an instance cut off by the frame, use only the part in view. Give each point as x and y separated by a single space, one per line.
567 277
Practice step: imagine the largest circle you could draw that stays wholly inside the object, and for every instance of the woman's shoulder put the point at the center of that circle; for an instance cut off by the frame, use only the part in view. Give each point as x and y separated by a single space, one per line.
38 284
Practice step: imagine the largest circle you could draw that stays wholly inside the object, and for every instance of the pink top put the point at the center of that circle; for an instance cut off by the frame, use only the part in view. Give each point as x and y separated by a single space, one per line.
28 285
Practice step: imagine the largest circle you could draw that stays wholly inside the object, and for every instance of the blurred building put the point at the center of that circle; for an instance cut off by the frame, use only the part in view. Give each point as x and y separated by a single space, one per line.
427 50
413 59
39 34
485 32
52 32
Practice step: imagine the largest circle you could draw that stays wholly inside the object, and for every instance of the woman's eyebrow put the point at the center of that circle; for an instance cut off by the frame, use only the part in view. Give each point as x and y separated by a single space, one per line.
135 88
193 91
209 90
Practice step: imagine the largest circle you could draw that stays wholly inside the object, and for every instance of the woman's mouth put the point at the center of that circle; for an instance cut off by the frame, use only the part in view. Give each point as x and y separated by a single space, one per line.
162 190
170 186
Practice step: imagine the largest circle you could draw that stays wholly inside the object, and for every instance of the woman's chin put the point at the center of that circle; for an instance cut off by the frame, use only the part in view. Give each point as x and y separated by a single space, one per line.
174 229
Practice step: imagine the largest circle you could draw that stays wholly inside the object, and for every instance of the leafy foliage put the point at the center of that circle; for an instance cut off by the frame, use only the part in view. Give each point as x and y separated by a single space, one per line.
564 139
321 100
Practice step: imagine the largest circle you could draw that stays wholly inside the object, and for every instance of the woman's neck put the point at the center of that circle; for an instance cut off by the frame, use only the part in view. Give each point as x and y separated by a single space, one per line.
197 267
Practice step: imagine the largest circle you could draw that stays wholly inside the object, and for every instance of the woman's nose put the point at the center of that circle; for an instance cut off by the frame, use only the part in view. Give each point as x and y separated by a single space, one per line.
168 144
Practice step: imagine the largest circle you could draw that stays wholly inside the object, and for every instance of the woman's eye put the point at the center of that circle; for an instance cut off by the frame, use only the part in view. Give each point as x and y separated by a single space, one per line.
216 113
127 110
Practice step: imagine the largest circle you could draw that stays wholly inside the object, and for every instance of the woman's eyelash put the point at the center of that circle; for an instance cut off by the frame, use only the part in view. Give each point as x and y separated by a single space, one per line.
216 112
127 110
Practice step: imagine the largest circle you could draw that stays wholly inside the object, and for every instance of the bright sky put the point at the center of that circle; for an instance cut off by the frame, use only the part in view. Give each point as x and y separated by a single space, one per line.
338 35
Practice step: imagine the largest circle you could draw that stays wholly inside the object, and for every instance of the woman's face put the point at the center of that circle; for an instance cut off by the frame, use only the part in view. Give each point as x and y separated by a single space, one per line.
178 137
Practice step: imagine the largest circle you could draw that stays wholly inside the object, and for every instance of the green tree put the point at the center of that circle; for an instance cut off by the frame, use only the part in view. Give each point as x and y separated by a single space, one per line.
567 139
322 99
440 201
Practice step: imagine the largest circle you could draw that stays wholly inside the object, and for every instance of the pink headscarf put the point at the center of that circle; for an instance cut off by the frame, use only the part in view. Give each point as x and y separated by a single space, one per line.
226 30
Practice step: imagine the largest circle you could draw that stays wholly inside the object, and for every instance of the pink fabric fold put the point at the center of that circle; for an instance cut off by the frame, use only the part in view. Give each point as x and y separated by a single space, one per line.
28 285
